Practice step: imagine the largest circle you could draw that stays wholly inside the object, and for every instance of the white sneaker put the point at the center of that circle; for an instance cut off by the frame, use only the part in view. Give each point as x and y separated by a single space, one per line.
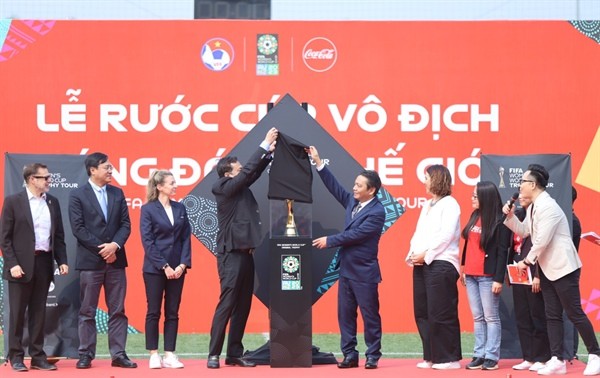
523 365
593 365
554 367
155 361
537 366
424 365
171 361
446 365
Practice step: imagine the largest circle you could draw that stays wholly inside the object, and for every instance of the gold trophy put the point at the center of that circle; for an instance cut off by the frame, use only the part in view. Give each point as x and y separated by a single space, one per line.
290 226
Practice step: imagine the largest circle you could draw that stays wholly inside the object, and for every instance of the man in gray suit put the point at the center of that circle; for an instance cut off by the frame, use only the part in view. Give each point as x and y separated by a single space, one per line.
560 268
239 233
100 223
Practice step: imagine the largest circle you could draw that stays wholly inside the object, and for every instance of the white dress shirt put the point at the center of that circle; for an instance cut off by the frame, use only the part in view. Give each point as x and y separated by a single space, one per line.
40 212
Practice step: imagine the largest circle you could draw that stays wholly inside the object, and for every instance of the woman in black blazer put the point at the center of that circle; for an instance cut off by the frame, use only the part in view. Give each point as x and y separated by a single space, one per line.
165 232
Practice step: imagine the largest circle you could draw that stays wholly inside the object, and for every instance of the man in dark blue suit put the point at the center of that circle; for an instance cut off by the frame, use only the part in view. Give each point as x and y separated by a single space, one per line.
359 266
100 222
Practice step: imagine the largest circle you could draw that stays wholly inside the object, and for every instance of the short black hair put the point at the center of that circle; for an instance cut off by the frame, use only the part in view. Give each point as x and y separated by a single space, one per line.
224 165
573 194
94 160
373 180
540 174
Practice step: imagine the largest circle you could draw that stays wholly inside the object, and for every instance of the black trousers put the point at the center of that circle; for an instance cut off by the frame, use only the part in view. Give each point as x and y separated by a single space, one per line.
157 287
236 276
531 324
564 293
29 297
435 297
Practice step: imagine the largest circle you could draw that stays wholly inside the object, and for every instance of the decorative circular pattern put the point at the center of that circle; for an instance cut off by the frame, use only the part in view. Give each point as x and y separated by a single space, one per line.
208 222
589 28
208 242
291 264
202 214
192 204
267 44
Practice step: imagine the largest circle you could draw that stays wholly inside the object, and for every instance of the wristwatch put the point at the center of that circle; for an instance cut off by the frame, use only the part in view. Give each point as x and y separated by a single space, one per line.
527 262
165 266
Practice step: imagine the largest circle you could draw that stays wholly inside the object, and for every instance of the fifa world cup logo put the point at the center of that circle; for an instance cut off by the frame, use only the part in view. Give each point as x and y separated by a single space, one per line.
501 174
290 226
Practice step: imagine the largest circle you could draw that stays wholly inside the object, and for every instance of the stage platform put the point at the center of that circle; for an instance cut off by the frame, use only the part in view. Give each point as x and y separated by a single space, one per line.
388 367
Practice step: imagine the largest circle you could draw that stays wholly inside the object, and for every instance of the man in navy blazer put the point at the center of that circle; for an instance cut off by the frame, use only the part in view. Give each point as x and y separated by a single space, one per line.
32 237
359 266
100 222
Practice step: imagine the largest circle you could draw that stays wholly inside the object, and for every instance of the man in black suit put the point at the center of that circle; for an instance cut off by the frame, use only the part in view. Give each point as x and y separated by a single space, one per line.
100 223
239 233
32 236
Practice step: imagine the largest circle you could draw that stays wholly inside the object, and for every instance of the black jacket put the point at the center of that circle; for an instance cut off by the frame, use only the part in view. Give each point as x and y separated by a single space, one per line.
237 209
495 252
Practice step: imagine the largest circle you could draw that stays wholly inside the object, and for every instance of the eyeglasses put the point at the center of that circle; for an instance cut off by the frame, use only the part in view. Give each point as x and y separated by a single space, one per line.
107 167
47 178
522 181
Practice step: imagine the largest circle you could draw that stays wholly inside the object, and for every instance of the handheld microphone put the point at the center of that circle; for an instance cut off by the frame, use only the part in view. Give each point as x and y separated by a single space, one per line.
511 202
514 197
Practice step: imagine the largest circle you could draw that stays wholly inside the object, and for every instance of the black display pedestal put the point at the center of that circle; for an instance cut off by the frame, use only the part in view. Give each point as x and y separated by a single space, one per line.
290 306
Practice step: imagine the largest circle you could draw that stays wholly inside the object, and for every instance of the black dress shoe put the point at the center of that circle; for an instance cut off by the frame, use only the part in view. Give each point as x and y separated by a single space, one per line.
213 362
348 362
371 363
18 366
239 361
85 362
42 365
123 362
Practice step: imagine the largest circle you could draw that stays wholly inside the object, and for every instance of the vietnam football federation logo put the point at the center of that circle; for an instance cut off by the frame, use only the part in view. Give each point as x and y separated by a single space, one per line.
217 54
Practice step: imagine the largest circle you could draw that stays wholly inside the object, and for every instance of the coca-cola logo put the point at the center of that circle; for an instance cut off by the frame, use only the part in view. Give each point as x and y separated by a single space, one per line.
319 54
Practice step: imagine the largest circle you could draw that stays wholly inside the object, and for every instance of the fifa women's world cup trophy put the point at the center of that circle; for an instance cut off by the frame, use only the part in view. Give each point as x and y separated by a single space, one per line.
290 226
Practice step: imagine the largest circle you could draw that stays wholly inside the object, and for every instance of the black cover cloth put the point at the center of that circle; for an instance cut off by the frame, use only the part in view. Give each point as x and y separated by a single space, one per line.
290 176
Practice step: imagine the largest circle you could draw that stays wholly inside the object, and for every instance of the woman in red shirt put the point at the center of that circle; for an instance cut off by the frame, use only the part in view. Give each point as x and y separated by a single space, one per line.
483 268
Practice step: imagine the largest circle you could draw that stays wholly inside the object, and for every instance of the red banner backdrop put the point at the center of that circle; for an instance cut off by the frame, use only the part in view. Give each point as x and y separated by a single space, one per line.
397 95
